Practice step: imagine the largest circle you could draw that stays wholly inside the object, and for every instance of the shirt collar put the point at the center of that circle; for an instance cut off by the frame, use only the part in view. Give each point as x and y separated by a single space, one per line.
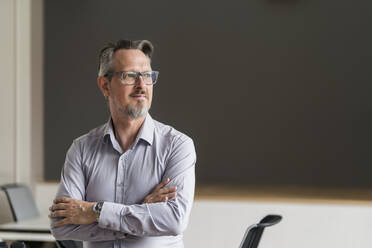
145 133
108 130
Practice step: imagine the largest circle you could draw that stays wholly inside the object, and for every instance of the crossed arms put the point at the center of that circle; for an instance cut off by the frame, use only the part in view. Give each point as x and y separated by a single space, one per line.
78 212
165 211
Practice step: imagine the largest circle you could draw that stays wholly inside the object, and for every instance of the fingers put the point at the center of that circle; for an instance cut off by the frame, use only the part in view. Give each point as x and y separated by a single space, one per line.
62 222
161 193
153 198
161 184
59 206
167 190
170 196
58 214
165 197
62 200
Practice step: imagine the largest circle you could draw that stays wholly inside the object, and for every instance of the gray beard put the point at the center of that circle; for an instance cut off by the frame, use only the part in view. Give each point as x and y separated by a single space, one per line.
135 112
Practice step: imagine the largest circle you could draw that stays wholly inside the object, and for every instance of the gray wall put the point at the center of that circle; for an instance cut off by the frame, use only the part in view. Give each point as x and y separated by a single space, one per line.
273 92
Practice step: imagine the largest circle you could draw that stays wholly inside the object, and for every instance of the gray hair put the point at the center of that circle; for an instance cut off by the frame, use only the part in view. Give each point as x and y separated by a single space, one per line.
105 56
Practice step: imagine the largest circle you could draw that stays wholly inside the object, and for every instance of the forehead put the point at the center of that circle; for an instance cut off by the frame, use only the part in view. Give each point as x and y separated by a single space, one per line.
131 59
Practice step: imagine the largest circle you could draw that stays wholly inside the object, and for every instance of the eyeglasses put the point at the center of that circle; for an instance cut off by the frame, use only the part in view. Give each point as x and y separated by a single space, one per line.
131 77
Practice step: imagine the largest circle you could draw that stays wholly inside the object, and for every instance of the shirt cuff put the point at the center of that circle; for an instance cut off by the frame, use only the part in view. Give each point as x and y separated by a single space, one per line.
110 217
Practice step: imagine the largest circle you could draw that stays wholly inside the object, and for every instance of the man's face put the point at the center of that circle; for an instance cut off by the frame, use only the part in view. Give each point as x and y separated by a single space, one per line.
133 101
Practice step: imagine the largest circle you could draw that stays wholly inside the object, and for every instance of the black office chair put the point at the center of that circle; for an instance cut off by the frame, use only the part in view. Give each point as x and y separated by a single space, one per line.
253 234
69 244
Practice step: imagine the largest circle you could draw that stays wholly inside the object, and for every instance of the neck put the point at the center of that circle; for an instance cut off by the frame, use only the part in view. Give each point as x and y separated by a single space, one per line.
126 130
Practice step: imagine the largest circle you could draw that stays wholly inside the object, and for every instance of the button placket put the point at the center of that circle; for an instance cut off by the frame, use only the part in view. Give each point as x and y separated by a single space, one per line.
125 165
119 180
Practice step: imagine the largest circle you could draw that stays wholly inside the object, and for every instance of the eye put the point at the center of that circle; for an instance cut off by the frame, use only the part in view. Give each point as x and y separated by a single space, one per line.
131 75
147 74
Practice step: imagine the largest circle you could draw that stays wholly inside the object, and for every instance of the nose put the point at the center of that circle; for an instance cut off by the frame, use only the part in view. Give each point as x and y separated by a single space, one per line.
140 82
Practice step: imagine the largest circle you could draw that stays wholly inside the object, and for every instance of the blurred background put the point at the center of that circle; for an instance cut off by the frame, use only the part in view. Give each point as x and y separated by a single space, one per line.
274 93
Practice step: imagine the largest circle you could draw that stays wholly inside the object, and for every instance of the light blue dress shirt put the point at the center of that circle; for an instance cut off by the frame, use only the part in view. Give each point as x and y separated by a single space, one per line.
96 169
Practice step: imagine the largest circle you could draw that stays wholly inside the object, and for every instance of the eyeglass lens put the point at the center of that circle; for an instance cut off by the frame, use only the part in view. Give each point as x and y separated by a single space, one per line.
147 77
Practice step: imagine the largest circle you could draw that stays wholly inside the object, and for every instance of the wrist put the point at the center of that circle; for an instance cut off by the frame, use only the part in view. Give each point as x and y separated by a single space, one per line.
97 207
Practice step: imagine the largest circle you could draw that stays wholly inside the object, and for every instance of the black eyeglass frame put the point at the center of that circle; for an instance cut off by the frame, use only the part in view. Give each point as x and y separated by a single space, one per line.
121 73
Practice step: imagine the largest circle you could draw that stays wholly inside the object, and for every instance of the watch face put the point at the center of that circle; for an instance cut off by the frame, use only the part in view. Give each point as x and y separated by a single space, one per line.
98 207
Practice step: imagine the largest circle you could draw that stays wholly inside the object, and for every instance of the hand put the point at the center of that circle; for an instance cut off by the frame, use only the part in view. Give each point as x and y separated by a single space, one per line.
72 211
161 193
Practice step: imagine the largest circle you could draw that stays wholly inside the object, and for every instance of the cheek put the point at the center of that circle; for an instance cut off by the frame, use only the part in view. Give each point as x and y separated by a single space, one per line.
123 92
150 94
121 96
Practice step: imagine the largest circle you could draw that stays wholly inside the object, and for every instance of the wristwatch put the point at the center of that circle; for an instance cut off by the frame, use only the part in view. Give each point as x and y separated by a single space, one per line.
97 209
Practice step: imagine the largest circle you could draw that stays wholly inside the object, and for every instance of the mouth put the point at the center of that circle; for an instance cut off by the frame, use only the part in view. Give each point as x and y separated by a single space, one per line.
138 96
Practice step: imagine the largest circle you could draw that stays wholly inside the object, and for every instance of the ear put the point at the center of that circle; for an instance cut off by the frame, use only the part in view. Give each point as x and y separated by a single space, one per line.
104 85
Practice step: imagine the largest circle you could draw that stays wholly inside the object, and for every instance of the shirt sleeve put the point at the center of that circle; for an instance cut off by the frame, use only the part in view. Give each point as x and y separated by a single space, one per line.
165 218
73 185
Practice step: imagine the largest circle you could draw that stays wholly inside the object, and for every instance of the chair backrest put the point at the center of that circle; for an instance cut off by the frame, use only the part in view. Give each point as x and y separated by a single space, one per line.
6 214
69 244
21 201
253 234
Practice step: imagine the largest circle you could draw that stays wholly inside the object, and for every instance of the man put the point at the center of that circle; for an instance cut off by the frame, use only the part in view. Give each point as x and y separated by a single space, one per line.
128 183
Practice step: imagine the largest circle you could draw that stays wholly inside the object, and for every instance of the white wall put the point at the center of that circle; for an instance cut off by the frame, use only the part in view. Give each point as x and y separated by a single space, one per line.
21 95
44 196
7 94
221 224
